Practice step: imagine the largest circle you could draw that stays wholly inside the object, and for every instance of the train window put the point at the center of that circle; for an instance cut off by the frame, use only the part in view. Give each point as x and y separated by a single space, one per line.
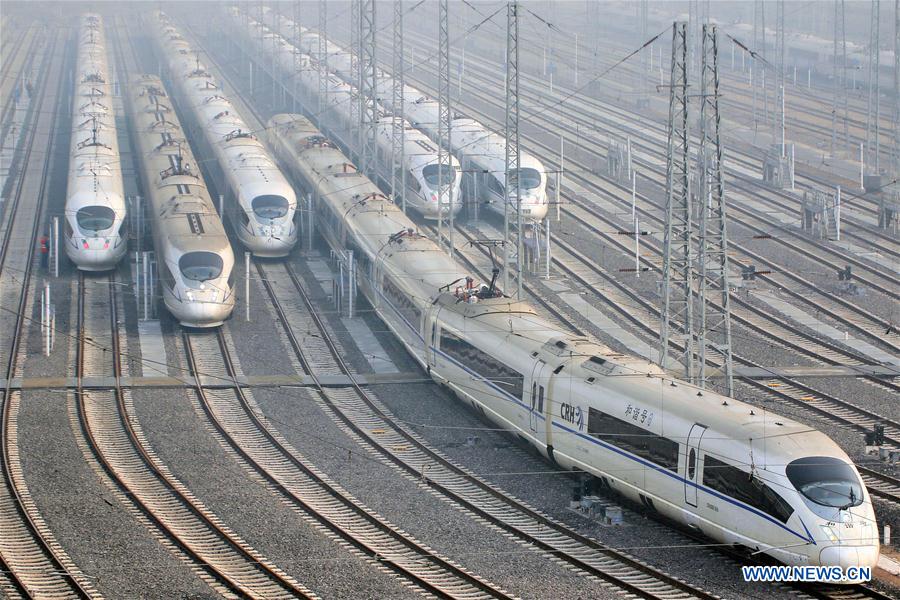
270 207
530 178
826 481
200 266
742 486
634 439
402 302
430 173
167 276
95 218
692 464
506 378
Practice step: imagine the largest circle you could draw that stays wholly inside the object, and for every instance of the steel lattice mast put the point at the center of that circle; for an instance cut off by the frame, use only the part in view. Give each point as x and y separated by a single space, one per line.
323 59
512 145
778 125
839 74
757 80
873 104
714 337
355 136
368 112
398 129
444 117
896 89
678 263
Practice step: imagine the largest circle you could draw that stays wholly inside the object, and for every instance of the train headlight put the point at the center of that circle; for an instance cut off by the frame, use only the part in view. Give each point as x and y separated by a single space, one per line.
190 296
829 533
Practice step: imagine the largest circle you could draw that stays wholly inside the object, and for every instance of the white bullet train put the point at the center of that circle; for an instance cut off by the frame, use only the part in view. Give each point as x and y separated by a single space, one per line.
194 257
480 151
429 190
739 474
94 236
260 203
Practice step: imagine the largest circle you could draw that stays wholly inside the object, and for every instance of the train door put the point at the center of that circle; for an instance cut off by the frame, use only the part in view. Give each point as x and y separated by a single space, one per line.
431 335
538 392
693 465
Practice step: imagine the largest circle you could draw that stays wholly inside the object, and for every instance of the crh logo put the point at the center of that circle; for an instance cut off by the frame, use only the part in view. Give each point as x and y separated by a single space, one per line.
572 414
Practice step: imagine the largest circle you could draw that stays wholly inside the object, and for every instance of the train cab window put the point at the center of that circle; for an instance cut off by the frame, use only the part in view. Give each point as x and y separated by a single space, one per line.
270 207
529 178
495 186
200 266
826 481
447 175
633 438
95 218
742 486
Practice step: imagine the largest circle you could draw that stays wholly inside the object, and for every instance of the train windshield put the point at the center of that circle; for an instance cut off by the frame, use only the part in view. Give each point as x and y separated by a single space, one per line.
530 178
270 207
826 481
200 266
430 173
95 218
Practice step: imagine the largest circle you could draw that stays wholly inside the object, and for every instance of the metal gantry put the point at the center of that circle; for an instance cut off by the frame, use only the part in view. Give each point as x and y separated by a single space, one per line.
445 164
678 278
873 105
512 146
368 111
398 127
714 333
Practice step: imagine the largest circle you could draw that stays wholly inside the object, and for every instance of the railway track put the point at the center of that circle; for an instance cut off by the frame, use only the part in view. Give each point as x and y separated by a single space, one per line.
236 417
35 563
111 428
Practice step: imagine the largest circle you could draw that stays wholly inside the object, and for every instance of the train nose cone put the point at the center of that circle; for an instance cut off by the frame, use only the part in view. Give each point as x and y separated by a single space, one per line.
96 258
849 556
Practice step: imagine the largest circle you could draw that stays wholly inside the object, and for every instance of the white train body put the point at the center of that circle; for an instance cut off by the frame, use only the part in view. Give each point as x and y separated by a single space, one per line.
420 161
480 152
260 202
737 473
194 258
95 197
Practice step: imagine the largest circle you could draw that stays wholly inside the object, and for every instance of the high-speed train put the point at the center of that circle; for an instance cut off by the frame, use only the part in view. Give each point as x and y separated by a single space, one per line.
430 190
737 473
259 200
480 151
194 257
94 238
